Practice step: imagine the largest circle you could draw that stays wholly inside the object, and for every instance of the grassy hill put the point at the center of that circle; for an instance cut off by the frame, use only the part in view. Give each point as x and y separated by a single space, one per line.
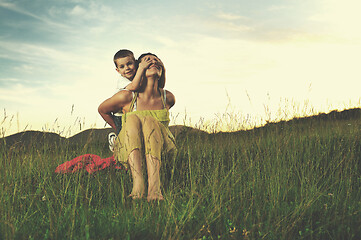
37 139
99 136
297 179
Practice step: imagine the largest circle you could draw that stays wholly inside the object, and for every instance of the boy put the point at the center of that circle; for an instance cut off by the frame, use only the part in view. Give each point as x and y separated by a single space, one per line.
131 73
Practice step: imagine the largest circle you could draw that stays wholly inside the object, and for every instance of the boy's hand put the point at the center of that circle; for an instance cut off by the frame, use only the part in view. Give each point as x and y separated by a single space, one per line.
160 63
145 63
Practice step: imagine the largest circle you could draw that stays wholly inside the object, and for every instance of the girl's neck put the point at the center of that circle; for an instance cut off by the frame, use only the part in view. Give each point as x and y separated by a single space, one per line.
150 88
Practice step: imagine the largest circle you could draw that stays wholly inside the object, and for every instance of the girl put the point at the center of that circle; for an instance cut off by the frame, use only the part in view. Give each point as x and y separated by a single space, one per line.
145 132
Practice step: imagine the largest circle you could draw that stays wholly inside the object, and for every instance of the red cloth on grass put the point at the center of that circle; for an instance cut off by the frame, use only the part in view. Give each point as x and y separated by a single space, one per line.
91 162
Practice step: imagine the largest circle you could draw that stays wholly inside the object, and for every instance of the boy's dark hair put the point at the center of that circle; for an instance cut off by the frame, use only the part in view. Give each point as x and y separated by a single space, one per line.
122 54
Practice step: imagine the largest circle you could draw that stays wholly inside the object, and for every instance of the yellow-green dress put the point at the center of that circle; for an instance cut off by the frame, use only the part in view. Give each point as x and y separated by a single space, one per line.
166 142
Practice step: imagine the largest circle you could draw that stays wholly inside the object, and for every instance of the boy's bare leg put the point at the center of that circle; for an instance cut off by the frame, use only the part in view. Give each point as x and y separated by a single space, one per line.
135 164
153 168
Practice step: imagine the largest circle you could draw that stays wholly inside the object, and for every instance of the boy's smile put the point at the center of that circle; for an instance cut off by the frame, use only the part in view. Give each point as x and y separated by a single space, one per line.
126 67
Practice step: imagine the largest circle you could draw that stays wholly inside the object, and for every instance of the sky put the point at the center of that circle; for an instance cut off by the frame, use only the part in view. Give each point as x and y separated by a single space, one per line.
230 64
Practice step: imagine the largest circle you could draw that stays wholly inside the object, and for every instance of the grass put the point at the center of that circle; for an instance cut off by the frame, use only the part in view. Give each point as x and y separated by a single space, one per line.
290 180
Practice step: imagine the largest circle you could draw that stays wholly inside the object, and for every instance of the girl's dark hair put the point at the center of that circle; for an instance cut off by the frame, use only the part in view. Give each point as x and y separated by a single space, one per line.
145 54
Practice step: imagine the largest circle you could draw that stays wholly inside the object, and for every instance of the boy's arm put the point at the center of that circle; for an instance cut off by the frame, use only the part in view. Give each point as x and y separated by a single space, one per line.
136 82
114 104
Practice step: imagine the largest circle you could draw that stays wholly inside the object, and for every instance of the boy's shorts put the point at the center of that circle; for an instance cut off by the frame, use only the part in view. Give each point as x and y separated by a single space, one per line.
118 123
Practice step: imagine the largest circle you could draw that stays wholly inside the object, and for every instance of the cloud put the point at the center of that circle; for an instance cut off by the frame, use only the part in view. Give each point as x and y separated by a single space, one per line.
77 11
38 57
277 7
231 23
27 68
20 10
15 8
229 16
98 13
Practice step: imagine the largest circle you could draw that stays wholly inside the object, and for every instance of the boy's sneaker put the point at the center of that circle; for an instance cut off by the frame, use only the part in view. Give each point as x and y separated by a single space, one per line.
111 139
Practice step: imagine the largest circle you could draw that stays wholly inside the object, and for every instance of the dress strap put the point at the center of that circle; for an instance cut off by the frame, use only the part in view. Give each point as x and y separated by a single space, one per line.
133 102
164 98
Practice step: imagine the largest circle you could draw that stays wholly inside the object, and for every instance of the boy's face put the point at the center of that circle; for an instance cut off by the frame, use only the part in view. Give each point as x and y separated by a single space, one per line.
126 67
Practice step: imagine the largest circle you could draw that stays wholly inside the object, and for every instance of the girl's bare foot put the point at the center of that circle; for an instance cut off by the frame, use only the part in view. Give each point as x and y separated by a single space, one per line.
155 197
135 196
137 192
153 168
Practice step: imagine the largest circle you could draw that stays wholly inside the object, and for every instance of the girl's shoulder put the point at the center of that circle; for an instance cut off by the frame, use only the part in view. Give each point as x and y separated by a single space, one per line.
170 99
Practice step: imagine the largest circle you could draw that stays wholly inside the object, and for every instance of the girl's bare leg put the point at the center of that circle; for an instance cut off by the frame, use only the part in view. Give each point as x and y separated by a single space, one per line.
153 144
153 169
132 140
135 164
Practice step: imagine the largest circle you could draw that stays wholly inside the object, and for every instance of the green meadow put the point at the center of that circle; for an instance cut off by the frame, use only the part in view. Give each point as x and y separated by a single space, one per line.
297 179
